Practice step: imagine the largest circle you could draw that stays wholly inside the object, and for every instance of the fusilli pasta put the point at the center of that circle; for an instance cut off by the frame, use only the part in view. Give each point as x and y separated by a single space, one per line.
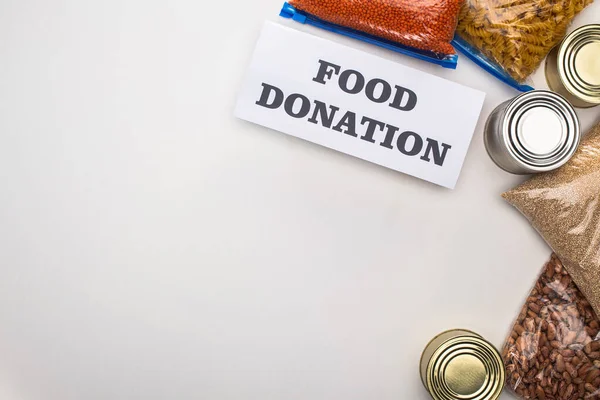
517 34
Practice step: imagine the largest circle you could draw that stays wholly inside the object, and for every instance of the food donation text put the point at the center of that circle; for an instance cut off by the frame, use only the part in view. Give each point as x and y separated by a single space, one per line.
371 130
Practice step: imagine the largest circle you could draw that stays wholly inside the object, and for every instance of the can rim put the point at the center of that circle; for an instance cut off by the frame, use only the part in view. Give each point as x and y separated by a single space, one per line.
441 344
477 347
559 156
567 56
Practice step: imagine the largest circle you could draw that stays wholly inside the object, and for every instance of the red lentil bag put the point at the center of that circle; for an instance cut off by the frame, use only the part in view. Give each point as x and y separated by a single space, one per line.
425 26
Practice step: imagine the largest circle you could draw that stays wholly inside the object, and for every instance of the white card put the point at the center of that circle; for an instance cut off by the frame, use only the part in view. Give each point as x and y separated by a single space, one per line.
360 104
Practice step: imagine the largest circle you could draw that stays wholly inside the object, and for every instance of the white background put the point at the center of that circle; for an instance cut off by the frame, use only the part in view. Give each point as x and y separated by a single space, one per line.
154 247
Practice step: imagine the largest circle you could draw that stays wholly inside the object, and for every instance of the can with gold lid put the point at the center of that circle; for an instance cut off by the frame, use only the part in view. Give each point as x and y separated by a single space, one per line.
573 67
461 365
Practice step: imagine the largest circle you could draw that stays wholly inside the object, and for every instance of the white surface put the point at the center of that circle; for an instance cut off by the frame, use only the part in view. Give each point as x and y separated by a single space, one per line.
287 62
154 247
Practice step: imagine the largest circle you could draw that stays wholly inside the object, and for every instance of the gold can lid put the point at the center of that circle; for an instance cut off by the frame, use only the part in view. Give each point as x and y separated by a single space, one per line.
465 368
579 63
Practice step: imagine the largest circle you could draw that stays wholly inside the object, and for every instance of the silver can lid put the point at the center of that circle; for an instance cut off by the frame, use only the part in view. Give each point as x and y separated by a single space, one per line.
541 130
579 63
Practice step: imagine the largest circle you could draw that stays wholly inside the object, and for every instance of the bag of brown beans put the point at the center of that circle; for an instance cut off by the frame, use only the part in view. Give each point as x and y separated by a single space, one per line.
564 207
420 28
553 351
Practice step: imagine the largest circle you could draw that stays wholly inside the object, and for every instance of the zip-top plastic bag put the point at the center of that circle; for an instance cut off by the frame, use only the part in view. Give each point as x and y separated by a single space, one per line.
553 350
564 207
423 29
511 38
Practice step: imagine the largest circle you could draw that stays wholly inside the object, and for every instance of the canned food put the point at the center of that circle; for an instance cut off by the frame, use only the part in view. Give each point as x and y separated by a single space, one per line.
573 67
536 132
460 364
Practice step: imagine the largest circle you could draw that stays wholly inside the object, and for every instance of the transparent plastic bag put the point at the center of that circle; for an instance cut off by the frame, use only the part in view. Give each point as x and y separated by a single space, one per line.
564 207
514 34
421 28
553 350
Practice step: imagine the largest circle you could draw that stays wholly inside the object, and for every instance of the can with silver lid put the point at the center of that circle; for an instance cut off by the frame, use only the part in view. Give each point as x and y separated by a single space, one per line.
459 365
537 131
573 67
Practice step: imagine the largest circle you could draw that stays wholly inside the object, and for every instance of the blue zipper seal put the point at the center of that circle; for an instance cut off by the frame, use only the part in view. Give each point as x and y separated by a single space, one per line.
482 61
446 61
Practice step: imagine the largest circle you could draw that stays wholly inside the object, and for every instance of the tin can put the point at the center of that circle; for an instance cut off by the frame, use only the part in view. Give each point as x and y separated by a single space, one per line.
573 67
537 131
460 364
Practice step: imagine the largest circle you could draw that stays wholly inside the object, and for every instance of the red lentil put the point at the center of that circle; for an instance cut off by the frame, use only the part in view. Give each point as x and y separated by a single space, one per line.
420 24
